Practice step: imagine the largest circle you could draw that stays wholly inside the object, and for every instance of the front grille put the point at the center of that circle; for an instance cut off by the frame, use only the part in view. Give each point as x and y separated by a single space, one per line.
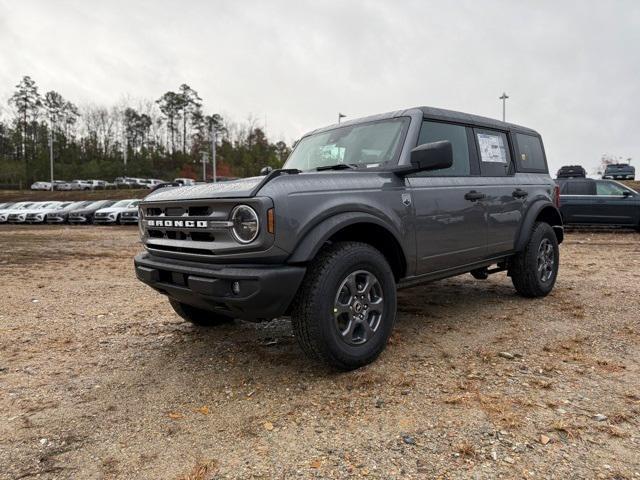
189 227
179 211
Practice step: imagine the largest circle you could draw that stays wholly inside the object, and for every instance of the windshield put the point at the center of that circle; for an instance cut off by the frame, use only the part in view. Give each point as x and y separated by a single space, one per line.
121 204
366 144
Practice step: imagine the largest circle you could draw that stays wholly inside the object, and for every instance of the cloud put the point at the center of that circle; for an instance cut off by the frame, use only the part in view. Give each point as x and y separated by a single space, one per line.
572 69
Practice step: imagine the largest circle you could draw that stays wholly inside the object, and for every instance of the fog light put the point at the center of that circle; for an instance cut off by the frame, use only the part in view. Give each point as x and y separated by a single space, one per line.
235 288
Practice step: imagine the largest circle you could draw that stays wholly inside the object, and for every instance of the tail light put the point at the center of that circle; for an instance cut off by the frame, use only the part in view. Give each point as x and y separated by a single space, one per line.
556 196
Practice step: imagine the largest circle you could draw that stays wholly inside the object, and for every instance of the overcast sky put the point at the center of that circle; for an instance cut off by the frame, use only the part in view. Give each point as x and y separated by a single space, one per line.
571 69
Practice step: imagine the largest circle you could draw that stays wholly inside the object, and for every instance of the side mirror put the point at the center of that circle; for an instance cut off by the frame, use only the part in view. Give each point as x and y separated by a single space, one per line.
429 156
266 170
626 193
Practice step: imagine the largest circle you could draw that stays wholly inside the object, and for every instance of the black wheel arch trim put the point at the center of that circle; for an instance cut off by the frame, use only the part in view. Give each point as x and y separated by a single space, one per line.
530 218
317 236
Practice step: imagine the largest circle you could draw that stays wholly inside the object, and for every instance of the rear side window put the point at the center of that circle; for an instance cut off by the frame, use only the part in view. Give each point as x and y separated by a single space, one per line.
493 150
457 135
530 156
584 187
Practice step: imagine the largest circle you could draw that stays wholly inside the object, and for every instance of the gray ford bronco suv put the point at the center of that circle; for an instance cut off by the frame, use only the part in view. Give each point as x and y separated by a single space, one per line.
359 209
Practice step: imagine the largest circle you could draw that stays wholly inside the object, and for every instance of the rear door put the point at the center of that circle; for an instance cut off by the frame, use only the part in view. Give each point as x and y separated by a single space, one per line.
450 221
505 196
578 201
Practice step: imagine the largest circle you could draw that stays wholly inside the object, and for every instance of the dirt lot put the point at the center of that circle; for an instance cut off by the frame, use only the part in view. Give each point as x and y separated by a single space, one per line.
99 379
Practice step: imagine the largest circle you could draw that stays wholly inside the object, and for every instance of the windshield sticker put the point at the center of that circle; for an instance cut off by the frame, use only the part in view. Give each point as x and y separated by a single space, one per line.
492 148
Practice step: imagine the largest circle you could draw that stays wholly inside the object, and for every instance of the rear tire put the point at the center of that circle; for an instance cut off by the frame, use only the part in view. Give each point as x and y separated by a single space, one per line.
534 270
345 309
198 316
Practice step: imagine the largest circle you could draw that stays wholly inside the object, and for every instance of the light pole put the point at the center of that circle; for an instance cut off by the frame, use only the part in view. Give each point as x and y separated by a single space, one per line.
504 103
51 153
340 116
205 158
213 151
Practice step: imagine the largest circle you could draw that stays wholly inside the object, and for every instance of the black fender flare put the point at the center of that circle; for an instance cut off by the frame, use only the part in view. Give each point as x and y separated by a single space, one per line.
308 247
552 216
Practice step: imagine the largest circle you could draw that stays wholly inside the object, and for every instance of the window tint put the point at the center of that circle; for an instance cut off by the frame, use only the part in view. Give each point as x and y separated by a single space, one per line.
530 155
457 135
493 150
580 187
609 188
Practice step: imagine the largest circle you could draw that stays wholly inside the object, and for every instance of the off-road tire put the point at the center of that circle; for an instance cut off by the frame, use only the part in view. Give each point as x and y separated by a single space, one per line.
312 315
523 268
198 316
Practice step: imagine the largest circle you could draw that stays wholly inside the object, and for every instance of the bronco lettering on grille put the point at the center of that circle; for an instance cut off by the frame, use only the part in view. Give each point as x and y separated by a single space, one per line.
178 223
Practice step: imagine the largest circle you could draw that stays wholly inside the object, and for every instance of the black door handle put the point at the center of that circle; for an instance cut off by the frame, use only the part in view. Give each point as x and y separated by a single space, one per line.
519 193
473 196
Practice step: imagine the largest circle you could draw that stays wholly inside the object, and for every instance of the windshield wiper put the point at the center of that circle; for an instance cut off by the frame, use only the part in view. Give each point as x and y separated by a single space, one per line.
338 166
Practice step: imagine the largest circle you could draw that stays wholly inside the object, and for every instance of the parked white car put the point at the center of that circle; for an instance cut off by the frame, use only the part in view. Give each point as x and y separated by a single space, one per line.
150 182
39 215
97 184
33 214
14 207
112 214
41 186
185 181
80 185
57 184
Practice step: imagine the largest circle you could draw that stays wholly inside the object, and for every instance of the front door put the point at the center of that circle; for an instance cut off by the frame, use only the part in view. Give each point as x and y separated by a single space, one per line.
450 221
611 205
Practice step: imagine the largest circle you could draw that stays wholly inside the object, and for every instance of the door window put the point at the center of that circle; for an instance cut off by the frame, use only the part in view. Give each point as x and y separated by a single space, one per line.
457 135
493 150
609 188
580 187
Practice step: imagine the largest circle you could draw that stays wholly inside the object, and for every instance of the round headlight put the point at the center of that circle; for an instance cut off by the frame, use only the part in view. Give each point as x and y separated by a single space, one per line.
246 225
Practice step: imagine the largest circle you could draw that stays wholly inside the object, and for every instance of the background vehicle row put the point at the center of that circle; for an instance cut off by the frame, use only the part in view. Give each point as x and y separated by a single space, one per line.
119 182
78 212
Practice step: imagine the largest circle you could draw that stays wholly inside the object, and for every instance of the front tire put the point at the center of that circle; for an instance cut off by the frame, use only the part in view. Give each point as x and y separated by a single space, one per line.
344 312
534 270
198 316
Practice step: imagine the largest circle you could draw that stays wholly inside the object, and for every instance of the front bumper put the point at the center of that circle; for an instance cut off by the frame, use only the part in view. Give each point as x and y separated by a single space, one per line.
15 218
56 219
79 219
104 220
128 220
265 292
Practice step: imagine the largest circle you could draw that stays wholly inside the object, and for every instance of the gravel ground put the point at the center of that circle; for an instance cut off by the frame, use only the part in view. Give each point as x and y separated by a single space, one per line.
100 379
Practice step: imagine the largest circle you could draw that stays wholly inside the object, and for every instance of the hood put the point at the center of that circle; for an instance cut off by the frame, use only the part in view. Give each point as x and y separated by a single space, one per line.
30 210
57 211
242 188
81 211
114 210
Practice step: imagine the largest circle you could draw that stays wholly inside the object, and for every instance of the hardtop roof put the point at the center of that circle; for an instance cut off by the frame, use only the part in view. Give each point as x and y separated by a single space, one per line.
436 114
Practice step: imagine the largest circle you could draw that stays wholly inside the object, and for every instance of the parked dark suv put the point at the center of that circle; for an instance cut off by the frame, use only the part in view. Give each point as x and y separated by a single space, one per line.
571 171
619 171
359 209
584 201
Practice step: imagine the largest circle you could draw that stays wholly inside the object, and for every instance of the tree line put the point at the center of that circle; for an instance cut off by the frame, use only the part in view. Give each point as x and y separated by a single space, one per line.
165 138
